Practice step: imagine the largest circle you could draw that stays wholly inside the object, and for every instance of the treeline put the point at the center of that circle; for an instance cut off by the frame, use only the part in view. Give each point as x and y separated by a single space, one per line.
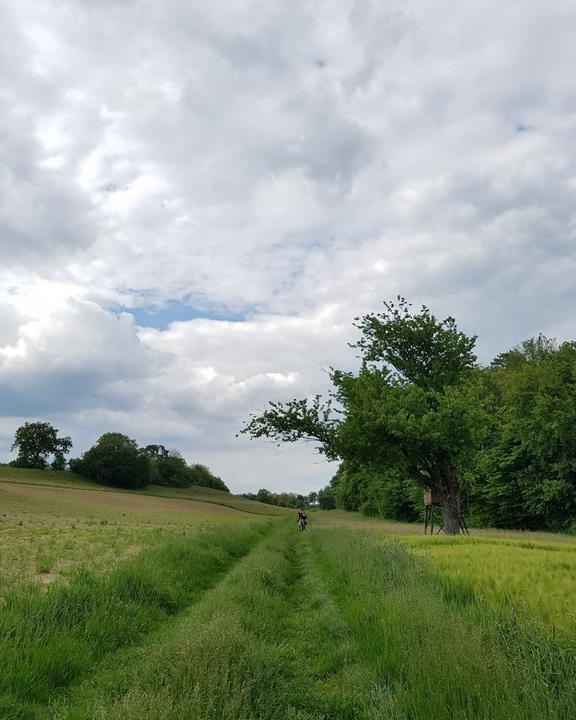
493 445
524 474
283 499
114 460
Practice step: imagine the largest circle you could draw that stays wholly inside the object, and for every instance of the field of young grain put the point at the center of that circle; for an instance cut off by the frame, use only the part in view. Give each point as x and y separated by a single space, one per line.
119 605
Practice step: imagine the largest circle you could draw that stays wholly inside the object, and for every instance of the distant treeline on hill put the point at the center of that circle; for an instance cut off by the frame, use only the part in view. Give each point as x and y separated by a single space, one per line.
114 460
283 499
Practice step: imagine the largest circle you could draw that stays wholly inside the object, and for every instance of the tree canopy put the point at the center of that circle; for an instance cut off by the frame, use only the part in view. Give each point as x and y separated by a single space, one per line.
36 442
417 403
117 460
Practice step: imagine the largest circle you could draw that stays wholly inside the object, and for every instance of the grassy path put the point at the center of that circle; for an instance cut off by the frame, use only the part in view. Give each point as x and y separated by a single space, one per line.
328 625
266 642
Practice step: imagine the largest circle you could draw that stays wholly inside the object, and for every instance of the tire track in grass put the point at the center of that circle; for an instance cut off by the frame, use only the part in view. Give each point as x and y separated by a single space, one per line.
320 626
225 659
338 684
266 643
323 626
52 639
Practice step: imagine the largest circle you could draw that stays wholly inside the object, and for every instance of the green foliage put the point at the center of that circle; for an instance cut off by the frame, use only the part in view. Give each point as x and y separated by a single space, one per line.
417 403
201 475
421 350
156 451
265 496
528 476
35 442
283 499
388 492
515 450
388 423
115 460
326 499
172 470
309 420
168 468
312 498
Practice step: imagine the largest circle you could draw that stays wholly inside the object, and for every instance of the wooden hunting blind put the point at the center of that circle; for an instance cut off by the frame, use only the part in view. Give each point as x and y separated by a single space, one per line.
432 499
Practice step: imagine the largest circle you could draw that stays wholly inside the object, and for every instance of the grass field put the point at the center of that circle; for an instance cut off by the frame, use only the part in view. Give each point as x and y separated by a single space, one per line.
126 605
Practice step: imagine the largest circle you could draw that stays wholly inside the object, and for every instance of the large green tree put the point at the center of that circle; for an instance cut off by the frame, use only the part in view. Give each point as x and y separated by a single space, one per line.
36 442
417 405
528 474
114 460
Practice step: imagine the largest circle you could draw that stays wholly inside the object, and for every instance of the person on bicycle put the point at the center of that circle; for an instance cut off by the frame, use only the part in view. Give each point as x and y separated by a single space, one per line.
302 519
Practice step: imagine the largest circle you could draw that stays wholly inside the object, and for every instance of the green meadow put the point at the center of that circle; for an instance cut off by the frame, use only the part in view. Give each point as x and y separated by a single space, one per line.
194 604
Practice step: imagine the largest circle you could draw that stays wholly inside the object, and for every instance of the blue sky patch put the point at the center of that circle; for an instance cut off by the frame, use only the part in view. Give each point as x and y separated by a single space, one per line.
159 317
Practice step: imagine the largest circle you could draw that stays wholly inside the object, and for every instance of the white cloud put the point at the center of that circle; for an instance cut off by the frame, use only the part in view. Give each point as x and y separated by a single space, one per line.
291 163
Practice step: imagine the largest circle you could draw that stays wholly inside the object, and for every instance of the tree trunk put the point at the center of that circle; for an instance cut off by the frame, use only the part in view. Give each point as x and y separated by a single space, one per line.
451 511
451 514
445 491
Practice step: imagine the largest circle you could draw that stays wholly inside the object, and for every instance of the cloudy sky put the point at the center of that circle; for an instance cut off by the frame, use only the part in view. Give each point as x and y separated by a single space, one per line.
197 198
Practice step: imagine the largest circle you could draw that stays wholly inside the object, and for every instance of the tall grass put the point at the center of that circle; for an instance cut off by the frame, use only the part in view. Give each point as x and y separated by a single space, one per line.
326 625
536 581
266 643
50 638
437 651
331 625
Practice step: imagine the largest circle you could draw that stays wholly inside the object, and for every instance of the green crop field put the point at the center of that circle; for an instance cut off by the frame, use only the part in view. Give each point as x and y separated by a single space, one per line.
195 604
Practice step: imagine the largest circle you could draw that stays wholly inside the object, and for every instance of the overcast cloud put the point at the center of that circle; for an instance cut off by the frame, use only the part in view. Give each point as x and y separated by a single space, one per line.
197 198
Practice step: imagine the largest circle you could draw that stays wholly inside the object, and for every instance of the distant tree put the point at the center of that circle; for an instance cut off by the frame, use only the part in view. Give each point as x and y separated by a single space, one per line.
312 498
36 441
115 460
387 492
173 470
265 496
201 475
282 499
326 499
533 350
168 467
117 439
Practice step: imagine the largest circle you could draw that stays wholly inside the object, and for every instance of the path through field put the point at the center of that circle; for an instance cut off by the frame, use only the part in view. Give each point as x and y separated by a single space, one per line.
331 624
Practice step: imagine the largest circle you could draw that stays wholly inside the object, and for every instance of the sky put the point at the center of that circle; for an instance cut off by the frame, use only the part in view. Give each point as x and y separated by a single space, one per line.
197 199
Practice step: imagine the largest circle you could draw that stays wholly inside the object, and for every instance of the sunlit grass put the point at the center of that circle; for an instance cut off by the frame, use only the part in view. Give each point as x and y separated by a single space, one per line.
332 625
50 637
533 579
47 532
